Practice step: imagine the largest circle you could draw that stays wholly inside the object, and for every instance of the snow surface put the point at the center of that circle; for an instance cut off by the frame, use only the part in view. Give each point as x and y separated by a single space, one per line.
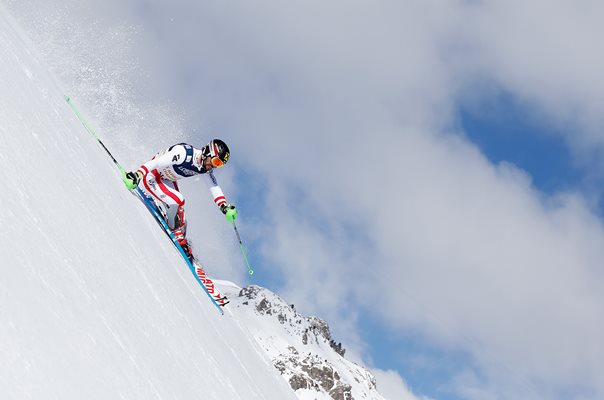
95 303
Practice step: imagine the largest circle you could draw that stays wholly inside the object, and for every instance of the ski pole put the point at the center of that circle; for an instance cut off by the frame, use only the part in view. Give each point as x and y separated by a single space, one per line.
249 269
90 130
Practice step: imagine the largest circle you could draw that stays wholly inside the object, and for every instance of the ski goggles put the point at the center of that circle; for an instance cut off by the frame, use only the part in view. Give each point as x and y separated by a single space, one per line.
216 162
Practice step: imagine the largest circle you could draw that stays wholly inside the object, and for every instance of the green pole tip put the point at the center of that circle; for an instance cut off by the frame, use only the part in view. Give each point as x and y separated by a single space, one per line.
251 272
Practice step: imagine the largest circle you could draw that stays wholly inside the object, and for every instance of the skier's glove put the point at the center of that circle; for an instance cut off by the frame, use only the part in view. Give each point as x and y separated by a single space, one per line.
132 179
229 211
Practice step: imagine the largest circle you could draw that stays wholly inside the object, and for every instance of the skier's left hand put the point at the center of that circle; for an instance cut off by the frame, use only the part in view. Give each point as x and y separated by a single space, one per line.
229 211
131 179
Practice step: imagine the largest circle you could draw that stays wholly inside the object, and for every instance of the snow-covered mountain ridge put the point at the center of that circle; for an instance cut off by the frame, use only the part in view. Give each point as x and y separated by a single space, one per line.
301 348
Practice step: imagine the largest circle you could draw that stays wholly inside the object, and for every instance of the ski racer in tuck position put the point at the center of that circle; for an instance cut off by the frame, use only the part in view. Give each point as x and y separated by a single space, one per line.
158 178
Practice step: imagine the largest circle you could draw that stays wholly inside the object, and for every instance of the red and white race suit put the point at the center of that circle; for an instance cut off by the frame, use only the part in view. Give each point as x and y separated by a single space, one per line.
159 176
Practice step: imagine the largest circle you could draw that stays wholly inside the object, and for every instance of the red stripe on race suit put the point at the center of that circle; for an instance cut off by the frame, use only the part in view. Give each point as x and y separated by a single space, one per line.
149 189
167 190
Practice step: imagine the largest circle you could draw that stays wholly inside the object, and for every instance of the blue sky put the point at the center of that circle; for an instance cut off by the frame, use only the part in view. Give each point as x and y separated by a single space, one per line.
505 130
376 171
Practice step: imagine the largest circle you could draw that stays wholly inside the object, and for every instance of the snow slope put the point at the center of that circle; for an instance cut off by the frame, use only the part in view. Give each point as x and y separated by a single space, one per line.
95 303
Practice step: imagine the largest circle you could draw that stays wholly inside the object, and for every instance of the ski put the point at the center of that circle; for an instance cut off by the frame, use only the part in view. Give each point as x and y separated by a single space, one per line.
196 269
209 284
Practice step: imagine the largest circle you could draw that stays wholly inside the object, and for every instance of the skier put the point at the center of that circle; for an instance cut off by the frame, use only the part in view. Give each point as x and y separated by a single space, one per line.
157 177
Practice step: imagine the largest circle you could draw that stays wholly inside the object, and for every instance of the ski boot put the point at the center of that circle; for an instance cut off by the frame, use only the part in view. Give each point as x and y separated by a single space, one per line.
179 234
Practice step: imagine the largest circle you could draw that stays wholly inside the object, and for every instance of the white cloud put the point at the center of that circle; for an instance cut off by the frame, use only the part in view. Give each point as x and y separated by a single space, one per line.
545 53
393 387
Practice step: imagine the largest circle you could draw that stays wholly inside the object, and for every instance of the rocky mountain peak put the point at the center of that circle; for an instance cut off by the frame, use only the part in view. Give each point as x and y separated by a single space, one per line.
302 348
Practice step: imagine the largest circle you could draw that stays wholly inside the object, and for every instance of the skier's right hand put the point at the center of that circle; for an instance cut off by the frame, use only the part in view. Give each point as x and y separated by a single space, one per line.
132 179
230 211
